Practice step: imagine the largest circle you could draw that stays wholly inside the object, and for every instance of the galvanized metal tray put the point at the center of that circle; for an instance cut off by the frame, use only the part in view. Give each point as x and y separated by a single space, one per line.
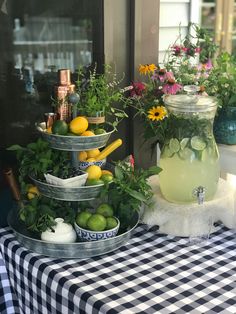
83 193
70 250
75 143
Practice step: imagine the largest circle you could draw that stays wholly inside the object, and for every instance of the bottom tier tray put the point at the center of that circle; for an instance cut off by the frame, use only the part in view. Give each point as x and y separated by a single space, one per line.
70 250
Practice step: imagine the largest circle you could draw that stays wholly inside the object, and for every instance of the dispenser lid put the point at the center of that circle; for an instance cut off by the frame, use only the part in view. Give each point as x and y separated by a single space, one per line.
190 103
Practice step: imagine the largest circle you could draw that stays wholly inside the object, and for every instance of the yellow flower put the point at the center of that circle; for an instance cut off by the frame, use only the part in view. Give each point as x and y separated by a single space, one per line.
147 68
157 113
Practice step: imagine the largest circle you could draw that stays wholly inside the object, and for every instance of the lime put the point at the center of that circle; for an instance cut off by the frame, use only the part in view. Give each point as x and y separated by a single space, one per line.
105 209
186 153
99 131
174 145
197 143
106 178
184 142
111 223
60 127
96 222
94 182
82 218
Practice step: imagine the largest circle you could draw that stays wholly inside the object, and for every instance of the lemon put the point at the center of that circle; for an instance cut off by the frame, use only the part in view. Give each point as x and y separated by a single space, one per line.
49 130
91 159
97 222
32 192
87 133
93 153
186 153
111 223
82 156
82 218
94 172
78 125
105 209
104 171
60 127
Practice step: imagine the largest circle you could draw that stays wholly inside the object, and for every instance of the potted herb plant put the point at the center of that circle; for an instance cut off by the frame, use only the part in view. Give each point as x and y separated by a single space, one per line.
101 96
221 83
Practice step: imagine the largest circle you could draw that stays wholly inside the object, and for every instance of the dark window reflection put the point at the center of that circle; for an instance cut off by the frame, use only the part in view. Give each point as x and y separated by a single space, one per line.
36 39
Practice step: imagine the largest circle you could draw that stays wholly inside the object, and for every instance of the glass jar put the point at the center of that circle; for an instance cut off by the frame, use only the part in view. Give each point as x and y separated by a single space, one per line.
189 157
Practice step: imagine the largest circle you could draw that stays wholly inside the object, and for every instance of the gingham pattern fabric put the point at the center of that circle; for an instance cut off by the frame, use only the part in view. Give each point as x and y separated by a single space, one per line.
152 273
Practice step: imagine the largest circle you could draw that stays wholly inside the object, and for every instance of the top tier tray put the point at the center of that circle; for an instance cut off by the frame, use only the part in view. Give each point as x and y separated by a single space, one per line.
75 143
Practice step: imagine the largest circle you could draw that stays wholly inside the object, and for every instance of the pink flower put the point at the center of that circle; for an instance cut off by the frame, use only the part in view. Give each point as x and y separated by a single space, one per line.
171 87
138 89
198 50
177 50
162 75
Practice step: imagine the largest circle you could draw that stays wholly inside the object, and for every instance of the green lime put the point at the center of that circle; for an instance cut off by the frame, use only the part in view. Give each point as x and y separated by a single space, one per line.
174 145
60 127
186 154
111 223
106 178
96 222
82 218
71 134
105 209
184 142
99 131
94 182
197 143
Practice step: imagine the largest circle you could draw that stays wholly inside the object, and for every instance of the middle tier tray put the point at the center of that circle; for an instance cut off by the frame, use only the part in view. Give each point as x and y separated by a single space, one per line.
83 193
75 143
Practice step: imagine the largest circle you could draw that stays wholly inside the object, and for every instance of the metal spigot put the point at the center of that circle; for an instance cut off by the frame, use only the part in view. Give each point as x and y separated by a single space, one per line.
199 192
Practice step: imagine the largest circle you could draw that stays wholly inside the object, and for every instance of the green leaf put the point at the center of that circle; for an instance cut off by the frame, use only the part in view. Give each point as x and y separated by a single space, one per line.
137 195
119 173
16 147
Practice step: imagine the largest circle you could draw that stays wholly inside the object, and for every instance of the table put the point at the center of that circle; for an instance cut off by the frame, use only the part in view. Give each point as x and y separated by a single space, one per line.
151 273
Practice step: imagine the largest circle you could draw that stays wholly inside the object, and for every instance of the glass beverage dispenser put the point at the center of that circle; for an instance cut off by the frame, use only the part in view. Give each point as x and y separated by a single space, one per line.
189 157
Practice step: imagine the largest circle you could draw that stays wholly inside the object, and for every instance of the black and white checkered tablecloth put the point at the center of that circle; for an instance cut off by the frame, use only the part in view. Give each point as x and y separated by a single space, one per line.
152 273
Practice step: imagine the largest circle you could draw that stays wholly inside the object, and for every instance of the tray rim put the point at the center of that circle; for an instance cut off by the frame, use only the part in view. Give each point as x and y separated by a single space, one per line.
76 247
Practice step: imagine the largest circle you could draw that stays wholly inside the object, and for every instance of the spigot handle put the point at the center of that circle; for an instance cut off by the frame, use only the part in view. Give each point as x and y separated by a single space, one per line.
199 192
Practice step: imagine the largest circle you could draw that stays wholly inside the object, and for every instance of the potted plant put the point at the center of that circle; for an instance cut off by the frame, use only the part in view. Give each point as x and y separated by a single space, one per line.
221 83
100 96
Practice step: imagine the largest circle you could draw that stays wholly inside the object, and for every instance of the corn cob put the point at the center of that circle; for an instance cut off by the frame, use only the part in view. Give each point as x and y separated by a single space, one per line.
109 149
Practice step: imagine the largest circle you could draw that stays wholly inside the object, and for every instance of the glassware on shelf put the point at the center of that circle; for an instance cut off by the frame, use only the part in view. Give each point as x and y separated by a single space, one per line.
189 157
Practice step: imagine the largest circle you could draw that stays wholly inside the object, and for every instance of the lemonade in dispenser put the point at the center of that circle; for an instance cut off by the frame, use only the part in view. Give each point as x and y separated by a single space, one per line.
189 156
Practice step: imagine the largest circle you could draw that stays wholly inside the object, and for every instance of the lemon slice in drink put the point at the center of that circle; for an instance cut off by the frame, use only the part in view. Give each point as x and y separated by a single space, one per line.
184 142
186 154
174 145
197 143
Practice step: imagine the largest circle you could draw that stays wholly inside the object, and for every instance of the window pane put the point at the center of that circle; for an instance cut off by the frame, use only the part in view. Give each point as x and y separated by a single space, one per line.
36 39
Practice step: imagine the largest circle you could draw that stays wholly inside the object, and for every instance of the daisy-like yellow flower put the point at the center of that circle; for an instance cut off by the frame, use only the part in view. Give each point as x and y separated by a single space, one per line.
157 113
147 68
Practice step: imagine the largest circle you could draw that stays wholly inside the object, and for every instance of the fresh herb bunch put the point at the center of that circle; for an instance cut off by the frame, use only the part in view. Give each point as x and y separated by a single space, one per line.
101 93
39 213
221 81
129 190
38 158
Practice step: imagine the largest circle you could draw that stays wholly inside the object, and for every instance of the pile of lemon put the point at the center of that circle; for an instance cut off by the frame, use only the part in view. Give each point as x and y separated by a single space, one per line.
77 126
